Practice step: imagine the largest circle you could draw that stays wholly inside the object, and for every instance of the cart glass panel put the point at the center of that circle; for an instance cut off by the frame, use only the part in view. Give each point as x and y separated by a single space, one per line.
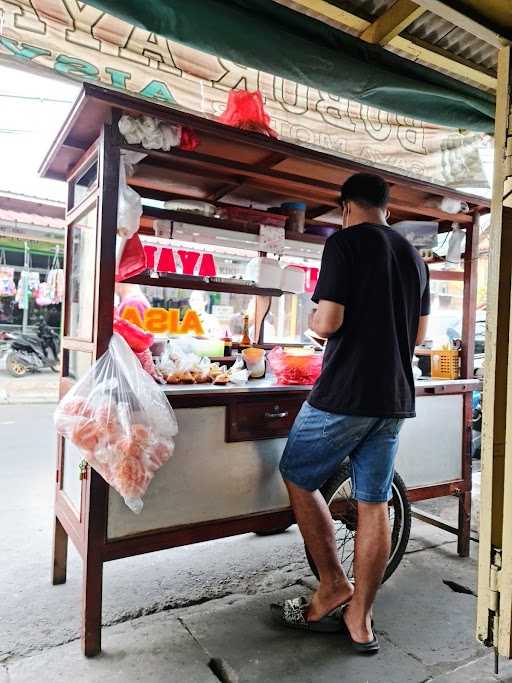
81 272
71 481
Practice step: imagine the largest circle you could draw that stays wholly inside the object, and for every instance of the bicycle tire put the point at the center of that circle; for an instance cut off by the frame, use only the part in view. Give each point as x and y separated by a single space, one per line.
400 532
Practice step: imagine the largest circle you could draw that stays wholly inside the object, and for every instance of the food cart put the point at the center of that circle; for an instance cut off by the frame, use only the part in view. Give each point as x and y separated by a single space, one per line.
223 479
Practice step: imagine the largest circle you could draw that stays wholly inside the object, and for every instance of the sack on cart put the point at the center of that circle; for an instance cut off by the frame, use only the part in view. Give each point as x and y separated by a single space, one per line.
121 422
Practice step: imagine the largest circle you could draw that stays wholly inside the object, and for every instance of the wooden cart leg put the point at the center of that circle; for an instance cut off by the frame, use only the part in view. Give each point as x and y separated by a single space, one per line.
464 534
60 553
92 596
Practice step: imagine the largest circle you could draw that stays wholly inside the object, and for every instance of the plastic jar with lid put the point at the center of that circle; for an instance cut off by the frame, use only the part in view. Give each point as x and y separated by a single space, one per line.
296 212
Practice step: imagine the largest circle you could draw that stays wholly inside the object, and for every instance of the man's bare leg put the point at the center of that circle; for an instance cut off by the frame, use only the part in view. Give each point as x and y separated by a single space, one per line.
372 549
317 529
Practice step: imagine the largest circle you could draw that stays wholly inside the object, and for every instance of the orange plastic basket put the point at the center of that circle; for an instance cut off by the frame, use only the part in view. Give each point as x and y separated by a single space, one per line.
445 364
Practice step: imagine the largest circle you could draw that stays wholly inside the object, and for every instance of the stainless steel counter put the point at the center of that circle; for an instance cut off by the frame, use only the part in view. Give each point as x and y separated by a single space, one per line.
255 386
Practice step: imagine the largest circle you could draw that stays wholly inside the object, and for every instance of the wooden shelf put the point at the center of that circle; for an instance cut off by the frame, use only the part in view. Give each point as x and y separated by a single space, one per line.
220 224
202 283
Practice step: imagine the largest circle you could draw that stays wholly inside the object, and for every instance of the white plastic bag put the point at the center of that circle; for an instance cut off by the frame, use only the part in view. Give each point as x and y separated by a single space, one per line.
149 132
454 253
121 421
129 208
129 204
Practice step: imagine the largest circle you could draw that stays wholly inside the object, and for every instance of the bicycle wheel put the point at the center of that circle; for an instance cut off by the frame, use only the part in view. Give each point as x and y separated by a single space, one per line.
337 491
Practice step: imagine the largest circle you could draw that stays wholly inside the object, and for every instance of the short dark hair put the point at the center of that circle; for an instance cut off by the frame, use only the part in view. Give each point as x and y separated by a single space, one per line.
367 190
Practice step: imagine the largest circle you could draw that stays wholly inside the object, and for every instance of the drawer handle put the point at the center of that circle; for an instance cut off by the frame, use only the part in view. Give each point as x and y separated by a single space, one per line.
276 416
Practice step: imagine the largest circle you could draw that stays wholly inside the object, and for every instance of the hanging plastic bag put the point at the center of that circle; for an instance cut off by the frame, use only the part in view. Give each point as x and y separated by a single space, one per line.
455 245
245 110
133 260
129 208
129 204
121 421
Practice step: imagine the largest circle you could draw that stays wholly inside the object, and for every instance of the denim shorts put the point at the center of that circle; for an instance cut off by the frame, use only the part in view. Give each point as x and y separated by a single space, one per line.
319 442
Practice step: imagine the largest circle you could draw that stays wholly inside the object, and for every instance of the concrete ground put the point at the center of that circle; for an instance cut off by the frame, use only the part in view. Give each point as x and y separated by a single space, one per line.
40 387
201 613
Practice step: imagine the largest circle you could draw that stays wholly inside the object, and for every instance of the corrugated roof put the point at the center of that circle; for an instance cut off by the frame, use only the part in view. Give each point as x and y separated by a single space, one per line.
31 219
440 33
430 31
367 9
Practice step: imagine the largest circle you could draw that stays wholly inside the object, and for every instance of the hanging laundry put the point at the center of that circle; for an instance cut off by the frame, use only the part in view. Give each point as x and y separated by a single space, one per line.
23 293
7 285
55 283
43 295
27 285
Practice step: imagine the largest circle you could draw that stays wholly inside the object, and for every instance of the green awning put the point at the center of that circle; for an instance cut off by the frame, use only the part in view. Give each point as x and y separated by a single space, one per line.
271 37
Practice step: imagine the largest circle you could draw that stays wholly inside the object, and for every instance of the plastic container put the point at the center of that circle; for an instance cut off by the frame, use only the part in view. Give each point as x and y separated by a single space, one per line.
208 347
265 272
254 216
296 365
296 212
255 362
293 279
445 364
191 206
421 234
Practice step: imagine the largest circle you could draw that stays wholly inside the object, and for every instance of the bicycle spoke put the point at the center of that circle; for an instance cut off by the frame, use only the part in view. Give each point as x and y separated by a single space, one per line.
344 510
349 556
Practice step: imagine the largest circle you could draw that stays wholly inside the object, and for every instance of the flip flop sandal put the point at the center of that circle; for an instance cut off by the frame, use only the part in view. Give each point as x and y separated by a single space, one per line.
370 648
292 614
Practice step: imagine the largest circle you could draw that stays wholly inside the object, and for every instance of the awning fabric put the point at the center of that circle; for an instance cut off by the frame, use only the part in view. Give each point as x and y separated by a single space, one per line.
271 37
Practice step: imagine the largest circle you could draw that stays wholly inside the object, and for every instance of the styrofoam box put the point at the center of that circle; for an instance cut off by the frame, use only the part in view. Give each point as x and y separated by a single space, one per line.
293 279
264 271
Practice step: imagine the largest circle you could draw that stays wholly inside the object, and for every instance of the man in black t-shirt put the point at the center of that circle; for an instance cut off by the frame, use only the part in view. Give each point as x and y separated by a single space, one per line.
373 303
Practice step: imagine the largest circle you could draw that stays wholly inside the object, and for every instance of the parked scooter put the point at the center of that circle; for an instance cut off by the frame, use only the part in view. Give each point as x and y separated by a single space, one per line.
31 353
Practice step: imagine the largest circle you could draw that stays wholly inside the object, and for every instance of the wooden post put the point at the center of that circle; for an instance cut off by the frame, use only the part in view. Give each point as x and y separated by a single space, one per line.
60 536
467 371
60 553
96 490
496 413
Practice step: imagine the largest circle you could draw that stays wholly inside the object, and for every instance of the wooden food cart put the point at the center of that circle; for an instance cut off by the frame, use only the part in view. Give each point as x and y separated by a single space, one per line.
223 479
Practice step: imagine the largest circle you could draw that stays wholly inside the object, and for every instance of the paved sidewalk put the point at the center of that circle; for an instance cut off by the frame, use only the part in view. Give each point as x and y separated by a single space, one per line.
168 614
425 629
40 387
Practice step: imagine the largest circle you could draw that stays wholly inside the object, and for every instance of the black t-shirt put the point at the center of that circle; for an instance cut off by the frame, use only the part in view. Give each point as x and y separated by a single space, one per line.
383 284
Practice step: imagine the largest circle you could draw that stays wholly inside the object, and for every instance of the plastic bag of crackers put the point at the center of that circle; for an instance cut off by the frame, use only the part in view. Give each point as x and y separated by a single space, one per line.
121 421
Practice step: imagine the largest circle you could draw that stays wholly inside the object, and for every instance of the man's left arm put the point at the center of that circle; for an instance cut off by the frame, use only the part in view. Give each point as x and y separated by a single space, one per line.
328 318
332 290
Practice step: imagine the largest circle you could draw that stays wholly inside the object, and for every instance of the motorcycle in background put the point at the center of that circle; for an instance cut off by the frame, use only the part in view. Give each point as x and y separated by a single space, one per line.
33 352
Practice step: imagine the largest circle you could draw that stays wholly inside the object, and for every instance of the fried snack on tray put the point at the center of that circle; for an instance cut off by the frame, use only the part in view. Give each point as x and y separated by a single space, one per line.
223 378
202 377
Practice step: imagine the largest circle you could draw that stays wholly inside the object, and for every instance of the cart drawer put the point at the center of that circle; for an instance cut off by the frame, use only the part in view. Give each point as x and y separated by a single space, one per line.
269 419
